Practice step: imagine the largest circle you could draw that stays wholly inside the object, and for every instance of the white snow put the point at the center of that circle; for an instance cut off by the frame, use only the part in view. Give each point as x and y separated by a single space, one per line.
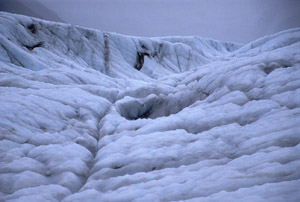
202 120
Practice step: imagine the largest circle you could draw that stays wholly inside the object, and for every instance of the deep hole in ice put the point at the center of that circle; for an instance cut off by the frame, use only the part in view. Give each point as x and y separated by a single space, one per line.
154 106
133 109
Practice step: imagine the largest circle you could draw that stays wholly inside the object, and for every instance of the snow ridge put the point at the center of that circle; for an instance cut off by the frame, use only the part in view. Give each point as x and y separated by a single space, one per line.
80 47
96 116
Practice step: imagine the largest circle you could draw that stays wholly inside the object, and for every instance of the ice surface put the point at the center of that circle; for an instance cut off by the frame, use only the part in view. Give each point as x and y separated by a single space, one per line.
94 116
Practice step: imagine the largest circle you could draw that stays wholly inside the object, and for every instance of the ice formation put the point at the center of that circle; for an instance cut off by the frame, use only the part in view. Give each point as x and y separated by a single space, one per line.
87 116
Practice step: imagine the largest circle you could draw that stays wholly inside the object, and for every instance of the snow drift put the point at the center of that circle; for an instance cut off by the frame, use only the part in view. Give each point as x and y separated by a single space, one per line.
95 116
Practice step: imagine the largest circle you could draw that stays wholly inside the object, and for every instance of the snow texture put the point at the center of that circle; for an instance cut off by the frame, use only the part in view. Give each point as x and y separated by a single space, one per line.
87 116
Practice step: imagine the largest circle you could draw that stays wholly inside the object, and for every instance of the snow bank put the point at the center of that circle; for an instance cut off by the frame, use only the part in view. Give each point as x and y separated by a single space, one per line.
93 116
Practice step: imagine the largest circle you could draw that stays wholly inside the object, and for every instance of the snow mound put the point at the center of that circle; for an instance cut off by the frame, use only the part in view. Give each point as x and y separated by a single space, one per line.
95 116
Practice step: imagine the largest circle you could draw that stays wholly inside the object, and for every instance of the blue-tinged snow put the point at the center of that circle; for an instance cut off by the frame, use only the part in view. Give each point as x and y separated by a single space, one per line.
201 120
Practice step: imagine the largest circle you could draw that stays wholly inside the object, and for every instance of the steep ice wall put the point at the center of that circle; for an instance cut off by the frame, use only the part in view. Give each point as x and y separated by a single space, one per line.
28 40
79 122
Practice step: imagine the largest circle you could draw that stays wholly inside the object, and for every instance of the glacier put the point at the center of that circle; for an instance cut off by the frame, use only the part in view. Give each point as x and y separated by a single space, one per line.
91 116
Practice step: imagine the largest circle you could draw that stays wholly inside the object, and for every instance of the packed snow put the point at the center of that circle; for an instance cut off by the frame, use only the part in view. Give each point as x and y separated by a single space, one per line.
91 116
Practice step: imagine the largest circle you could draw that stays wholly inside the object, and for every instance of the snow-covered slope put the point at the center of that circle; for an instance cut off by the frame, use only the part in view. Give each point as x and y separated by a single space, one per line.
27 41
201 120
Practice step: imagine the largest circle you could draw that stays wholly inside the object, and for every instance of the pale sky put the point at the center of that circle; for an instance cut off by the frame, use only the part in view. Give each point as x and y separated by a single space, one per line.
230 20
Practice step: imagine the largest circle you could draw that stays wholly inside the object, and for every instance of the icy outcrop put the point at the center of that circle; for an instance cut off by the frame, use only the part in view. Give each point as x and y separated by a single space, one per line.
27 40
201 120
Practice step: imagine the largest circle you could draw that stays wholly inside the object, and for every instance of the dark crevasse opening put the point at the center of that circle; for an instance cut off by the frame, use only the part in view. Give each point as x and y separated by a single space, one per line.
154 106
